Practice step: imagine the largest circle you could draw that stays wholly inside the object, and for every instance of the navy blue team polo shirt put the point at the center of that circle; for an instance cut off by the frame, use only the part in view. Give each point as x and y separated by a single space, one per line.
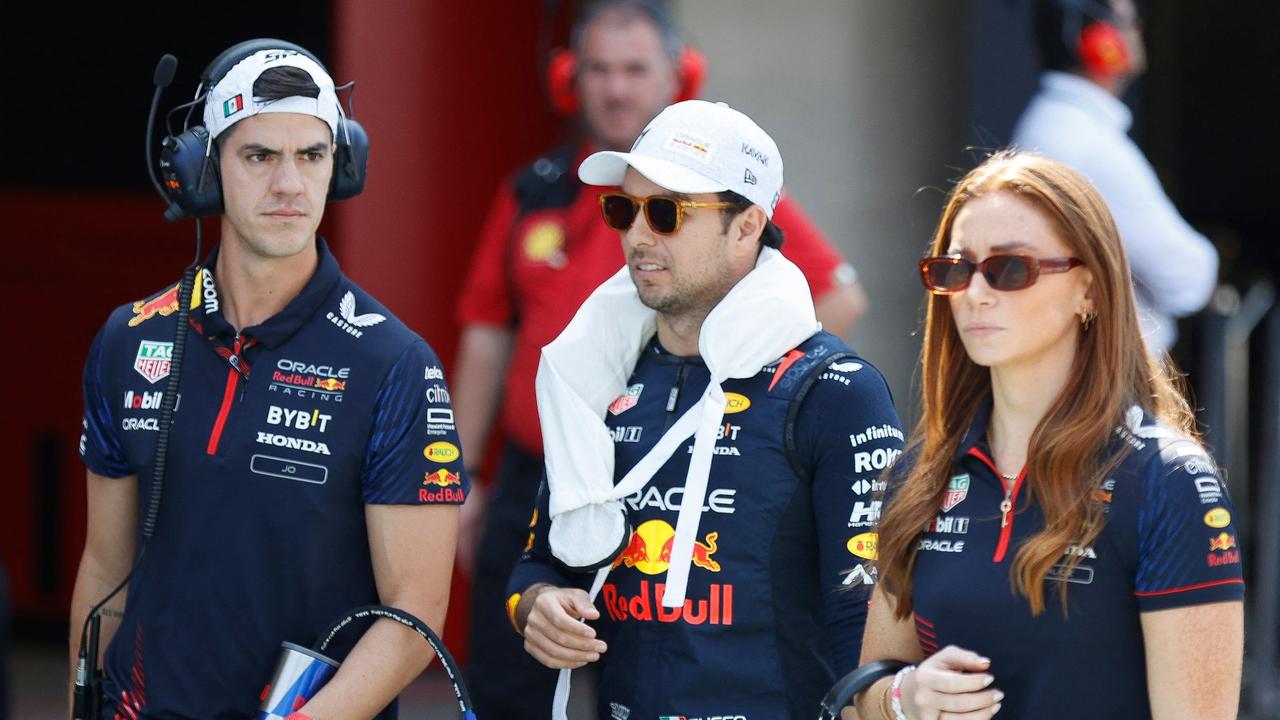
283 434
1168 541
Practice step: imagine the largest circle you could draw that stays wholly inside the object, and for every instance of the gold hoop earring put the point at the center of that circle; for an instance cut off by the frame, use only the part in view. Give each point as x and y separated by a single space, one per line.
1086 320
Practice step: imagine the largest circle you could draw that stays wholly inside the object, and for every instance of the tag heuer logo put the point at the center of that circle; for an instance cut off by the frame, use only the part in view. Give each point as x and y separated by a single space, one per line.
627 400
957 491
153 360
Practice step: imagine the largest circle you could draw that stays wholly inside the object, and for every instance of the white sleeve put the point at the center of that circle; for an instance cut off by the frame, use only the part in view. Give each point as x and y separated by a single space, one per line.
1177 265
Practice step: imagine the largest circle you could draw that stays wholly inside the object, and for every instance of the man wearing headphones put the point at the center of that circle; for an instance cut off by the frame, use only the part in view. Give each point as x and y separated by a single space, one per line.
313 464
1091 51
541 252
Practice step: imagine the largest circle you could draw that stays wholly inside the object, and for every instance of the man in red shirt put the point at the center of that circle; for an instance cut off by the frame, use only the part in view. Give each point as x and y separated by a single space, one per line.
542 250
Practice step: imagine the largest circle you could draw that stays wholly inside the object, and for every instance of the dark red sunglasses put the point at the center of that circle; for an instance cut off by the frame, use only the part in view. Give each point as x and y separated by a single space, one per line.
950 274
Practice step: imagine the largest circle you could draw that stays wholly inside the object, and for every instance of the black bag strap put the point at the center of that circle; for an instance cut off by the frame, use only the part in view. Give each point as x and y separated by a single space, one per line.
793 410
841 694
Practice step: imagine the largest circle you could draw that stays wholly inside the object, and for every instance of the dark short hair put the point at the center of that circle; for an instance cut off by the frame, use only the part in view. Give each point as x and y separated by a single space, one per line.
654 11
1057 25
278 83
771 236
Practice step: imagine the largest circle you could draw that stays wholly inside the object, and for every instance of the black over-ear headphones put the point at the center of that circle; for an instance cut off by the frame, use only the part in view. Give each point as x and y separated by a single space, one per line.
189 164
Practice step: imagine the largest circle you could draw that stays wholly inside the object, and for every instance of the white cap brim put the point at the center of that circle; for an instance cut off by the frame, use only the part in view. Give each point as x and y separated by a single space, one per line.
610 167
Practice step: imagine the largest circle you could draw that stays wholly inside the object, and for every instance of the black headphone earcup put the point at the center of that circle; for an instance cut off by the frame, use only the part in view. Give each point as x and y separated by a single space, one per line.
351 161
189 171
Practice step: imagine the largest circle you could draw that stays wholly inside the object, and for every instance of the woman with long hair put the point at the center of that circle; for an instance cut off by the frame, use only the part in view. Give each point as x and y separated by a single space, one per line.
1054 542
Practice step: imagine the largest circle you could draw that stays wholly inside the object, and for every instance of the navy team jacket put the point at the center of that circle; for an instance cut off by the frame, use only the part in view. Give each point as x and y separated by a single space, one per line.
777 596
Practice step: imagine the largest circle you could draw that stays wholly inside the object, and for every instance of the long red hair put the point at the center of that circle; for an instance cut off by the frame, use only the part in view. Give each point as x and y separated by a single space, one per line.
1069 453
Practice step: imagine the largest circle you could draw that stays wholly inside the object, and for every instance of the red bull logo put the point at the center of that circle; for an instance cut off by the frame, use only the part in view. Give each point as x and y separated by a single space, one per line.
446 482
649 549
646 605
442 478
1222 542
1230 557
164 305
332 385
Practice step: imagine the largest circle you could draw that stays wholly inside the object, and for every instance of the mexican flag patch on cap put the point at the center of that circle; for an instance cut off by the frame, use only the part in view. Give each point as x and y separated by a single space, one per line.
232 106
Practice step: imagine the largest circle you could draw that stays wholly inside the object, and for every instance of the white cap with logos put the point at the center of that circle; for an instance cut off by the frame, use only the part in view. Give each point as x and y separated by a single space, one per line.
697 146
231 98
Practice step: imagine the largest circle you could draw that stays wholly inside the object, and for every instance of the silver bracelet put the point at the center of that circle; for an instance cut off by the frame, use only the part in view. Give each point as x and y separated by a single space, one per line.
895 692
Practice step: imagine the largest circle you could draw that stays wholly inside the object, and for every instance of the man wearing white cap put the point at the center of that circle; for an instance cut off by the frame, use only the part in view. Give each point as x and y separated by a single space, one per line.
725 501
313 465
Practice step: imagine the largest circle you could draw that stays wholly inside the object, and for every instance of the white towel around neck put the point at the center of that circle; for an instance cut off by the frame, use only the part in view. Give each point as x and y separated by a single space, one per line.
768 312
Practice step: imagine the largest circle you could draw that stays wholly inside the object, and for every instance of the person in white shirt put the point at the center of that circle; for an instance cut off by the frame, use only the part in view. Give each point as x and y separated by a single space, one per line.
1091 51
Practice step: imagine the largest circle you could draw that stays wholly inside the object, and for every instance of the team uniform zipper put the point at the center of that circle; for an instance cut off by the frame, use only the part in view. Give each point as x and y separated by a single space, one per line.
1006 505
673 399
229 393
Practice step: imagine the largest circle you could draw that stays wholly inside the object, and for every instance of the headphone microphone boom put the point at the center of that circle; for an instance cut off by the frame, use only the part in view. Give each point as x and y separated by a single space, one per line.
162 78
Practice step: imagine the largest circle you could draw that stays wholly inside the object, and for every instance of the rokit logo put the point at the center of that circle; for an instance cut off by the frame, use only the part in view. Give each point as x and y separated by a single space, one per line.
298 419
292 443
878 459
